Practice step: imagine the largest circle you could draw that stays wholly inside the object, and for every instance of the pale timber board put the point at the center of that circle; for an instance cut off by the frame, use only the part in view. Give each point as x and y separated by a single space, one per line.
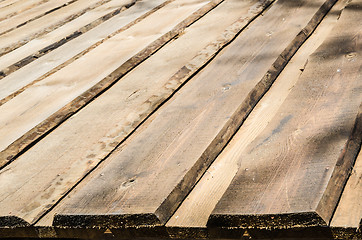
44 44
18 7
6 25
36 103
19 36
50 63
199 204
146 179
47 175
130 101
7 3
293 173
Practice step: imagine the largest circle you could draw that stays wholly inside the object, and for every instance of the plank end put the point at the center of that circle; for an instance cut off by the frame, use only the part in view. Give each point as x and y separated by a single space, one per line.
12 222
266 221
106 221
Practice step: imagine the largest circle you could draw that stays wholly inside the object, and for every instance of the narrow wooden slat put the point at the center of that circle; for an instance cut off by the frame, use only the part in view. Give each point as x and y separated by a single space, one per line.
199 204
37 11
140 92
49 182
19 36
42 45
292 175
346 220
39 69
146 179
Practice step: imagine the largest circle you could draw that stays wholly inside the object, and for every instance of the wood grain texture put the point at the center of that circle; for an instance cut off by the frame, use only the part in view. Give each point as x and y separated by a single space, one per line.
292 175
18 7
99 72
52 62
29 196
35 12
143 90
23 34
199 204
347 217
42 45
164 159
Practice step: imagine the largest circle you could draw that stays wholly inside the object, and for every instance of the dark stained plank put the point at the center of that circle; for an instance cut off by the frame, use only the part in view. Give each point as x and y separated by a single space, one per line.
144 181
292 175
46 172
195 210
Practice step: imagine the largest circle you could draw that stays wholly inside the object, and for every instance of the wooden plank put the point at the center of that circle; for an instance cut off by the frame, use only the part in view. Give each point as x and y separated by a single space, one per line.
6 3
42 45
35 12
292 175
347 217
93 80
18 7
19 36
139 94
181 140
50 63
195 210
56 181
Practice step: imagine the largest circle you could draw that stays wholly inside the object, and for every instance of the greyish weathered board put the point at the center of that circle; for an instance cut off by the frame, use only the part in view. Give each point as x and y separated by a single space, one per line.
144 181
292 175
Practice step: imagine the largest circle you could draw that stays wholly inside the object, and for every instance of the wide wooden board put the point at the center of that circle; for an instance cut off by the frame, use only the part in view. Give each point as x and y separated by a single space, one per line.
292 175
144 181
195 210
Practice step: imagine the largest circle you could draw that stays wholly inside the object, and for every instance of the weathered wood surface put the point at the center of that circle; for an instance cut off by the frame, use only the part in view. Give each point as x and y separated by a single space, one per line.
162 161
32 194
7 3
10 23
10 10
347 217
98 71
19 36
195 210
44 44
52 62
292 175
141 91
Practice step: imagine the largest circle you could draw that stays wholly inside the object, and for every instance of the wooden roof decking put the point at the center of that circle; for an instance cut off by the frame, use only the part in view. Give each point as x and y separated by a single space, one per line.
180 118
